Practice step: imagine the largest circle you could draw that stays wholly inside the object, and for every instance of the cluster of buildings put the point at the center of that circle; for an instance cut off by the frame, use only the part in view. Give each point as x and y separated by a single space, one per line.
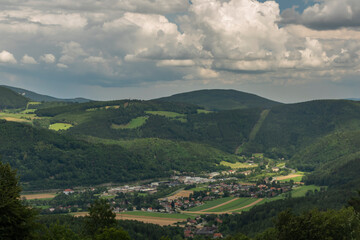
200 227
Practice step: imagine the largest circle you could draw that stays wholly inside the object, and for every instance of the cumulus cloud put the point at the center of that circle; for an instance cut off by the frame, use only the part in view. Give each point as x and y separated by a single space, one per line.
71 51
134 42
48 58
26 59
328 14
61 65
6 57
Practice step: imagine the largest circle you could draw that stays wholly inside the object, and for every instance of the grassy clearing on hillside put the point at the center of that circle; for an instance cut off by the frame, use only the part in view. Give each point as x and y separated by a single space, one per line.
172 115
60 126
157 214
167 114
238 165
301 191
296 192
242 202
103 108
258 125
199 111
17 117
280 165
210 204
295 179
134 123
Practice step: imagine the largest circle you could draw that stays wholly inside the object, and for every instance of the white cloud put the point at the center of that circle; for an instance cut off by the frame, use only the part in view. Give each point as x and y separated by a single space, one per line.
6 57
61 65
48 58
327 14
26 59
63 20
134 42
71 51
176 63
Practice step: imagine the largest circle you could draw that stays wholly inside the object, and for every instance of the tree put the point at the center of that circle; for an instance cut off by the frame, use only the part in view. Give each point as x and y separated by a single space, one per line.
316 225
16 220
56 231
113 234
100 217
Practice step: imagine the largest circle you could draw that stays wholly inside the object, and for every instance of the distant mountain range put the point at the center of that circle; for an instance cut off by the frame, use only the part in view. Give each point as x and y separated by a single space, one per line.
221 99
44 98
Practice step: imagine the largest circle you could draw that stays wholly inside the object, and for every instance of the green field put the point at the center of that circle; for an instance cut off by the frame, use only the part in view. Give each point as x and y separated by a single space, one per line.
167 114
203 111
296 192
60 126
295 179
280 165
157 214
210 204
17 117
198 189
134 123
301 191
242 202
238 165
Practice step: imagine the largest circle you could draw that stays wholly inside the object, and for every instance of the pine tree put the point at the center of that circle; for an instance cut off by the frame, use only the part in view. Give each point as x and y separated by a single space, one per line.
16 220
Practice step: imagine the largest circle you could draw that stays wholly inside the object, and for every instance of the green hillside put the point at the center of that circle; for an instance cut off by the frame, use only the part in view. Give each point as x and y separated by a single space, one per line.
10 99
173 153
289 128
220 99
327 149
45 159
44 98
155 119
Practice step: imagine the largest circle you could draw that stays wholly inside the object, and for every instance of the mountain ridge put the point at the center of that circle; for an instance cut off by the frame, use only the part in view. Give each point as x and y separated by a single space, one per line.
42 97
221 99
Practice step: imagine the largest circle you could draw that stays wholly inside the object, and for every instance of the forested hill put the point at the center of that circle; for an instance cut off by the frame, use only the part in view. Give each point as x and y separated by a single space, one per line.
45 159
126 119
220 99
11 99
289 128
44 98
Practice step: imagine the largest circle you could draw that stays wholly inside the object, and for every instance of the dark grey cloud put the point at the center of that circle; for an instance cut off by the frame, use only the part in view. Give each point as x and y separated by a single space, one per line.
326 15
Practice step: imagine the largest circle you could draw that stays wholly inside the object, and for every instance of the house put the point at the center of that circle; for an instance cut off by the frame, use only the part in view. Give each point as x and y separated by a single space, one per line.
275 169
68 191
206 231
246 173
217 235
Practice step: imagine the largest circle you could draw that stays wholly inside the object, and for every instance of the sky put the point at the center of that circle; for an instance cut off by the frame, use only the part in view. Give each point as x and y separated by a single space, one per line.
285 50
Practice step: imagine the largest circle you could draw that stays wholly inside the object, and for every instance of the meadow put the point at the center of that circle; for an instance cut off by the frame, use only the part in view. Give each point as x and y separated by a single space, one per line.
238 165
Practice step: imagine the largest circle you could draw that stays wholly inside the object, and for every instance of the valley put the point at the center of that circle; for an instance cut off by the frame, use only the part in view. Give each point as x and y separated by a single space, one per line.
184 163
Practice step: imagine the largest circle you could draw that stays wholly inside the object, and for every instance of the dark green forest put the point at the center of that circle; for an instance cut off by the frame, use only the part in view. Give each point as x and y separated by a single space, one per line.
217 99
46 159
10 99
